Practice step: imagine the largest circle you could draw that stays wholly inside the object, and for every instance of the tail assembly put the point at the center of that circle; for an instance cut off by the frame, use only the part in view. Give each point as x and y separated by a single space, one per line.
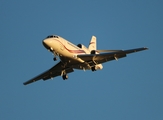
92 48
92 44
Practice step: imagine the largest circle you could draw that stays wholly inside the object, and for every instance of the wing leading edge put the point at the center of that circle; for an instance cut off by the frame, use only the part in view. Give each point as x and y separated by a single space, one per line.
108 56
51 73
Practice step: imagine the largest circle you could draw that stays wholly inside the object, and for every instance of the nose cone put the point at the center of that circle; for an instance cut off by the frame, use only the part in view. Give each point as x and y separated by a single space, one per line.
46 43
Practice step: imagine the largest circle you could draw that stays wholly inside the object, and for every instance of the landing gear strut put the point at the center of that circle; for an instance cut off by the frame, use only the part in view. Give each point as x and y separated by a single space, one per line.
51 50
55 56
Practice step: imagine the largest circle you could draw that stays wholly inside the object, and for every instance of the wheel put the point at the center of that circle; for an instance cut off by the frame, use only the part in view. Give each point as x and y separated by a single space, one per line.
93 69
54 58
65 77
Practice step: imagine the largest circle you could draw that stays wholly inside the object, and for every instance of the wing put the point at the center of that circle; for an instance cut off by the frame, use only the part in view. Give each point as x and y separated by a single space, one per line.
93 59
51 73
102 51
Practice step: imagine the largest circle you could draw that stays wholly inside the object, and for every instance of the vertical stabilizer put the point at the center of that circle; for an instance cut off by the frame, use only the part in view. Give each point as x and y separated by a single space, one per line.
92 44
92 48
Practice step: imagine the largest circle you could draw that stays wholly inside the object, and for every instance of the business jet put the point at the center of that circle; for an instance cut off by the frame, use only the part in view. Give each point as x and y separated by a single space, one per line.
77 57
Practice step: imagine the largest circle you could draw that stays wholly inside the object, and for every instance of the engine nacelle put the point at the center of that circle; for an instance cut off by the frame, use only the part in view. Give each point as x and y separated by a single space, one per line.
83 48
93 52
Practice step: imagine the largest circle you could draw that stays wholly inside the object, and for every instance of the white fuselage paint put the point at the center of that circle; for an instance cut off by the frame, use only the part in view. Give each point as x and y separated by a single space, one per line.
67 51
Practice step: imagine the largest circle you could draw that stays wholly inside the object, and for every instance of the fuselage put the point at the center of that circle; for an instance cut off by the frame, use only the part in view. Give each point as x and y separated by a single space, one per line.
66 50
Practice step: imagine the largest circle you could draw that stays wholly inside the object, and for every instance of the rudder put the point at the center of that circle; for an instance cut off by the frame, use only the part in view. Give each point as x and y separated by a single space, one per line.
92 44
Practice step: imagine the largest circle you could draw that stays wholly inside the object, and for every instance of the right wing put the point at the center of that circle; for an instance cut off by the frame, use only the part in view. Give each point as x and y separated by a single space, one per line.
102 51
53 72
108 55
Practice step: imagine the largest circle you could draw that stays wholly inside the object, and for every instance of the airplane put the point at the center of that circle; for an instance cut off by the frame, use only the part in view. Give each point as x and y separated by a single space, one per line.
77 57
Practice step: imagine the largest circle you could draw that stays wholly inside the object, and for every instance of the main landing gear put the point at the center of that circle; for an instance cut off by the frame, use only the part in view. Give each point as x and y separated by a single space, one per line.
65 77
93 68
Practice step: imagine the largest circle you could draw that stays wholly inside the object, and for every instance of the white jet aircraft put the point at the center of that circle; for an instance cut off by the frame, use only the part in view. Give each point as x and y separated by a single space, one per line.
77 57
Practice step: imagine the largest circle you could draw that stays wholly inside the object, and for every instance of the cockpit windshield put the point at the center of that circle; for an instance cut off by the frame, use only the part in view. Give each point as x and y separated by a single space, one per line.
52 36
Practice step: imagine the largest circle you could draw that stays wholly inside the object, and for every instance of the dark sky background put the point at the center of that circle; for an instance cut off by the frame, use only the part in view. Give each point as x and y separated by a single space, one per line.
128 89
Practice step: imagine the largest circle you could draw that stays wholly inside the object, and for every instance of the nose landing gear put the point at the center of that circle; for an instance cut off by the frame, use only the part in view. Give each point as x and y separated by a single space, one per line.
55 58
55 55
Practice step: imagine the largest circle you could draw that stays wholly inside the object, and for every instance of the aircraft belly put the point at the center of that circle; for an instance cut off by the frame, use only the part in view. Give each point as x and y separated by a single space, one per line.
74 63
81 67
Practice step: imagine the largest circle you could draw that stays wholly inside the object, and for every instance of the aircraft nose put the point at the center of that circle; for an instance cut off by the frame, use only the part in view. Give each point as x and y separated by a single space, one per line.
46 43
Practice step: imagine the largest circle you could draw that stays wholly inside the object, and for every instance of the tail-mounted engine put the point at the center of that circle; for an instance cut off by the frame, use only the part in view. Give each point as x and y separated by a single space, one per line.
93 52
83 48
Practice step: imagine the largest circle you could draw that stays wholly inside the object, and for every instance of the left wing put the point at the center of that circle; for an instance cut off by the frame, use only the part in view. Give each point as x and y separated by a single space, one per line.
93 59
53 72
